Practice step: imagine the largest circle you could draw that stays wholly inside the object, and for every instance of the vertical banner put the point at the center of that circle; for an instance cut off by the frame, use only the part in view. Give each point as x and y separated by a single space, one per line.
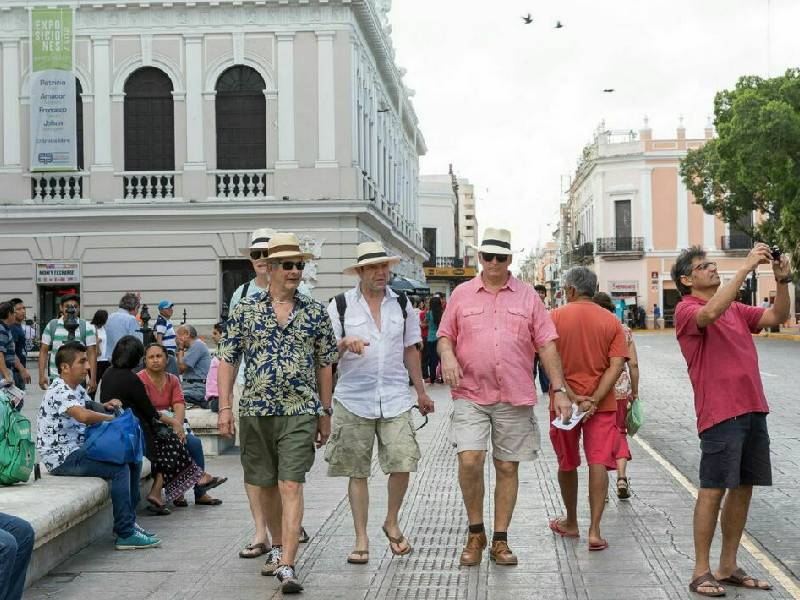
53 114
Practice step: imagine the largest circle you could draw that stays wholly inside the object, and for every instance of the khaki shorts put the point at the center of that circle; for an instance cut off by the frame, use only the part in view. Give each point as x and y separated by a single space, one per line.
277 448
514 430
349 449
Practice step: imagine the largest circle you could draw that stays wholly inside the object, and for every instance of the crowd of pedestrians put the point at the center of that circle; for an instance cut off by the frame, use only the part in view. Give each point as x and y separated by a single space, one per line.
272 384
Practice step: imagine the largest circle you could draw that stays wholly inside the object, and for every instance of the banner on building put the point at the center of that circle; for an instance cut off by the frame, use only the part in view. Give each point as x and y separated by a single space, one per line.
58 272
53 128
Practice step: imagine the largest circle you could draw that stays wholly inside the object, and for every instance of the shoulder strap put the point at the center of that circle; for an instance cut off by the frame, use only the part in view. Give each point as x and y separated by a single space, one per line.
341 306
402 299
244 290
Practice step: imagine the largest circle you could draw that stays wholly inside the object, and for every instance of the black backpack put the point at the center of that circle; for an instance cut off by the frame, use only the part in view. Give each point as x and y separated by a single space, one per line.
341 306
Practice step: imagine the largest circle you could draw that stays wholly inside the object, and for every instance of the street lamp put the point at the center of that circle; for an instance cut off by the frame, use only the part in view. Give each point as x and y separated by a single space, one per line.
148 337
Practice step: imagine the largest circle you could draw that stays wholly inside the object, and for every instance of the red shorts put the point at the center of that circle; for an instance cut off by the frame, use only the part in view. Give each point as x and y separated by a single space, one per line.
623 450
600 442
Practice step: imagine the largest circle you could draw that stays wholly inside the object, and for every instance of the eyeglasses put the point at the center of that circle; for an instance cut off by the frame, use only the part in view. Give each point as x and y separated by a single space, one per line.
256 254
704 266
489 257
288 265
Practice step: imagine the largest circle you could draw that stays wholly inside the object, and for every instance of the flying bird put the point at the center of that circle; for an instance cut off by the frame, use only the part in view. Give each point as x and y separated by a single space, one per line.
608 90
528 19
559 25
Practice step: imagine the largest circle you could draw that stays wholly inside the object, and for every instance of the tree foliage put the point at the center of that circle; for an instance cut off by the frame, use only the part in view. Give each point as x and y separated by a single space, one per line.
754 162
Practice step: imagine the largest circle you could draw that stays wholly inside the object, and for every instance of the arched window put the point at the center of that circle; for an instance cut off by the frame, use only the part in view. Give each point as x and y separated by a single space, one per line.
149 122
241 120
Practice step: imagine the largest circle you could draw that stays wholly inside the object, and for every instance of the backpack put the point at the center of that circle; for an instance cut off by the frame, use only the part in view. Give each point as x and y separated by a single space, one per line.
53 325
17 450
341 306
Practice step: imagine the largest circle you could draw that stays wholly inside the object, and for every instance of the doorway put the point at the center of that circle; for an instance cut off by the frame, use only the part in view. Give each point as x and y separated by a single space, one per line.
671 299
233 274
49 299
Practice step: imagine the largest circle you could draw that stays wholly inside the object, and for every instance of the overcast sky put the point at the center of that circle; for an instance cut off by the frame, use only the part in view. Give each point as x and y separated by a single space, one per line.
512 105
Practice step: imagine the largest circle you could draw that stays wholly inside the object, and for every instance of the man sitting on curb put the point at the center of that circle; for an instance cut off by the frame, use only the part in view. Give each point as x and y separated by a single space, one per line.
61 427
194 360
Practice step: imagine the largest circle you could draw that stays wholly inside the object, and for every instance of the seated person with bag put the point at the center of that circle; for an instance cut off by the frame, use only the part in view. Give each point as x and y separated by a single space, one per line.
61 433
212 387
174 470
194 360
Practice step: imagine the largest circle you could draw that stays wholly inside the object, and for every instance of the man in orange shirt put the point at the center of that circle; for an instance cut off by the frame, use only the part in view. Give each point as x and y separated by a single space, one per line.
593 352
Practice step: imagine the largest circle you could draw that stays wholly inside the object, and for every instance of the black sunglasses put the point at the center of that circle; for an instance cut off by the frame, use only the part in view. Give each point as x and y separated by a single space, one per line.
425 422
256 254
288 265
490 256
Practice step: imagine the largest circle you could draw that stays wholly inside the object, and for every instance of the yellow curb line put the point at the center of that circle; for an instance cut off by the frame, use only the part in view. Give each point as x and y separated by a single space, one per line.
780 336
774 570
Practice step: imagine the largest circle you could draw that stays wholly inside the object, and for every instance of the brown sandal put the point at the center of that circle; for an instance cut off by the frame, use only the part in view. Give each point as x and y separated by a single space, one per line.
741 579
706 578
364 554
253 551
399 541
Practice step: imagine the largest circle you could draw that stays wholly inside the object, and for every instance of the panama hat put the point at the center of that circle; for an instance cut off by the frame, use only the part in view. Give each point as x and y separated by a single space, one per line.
286 245
496 241
371 253
258 241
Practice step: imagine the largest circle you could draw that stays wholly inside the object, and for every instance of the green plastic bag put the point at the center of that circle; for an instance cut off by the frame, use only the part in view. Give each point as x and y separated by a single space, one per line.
635 417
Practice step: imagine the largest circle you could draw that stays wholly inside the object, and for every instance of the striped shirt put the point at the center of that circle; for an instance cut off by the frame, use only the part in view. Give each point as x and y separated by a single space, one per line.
165 328
60 335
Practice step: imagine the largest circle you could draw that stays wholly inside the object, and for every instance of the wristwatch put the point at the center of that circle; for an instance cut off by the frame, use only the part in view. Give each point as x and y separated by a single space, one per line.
328 411
787 279
562 389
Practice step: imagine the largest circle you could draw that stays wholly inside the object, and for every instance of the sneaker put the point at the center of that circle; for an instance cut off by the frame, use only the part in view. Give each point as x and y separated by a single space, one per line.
139 529
136 541
273 561
289 583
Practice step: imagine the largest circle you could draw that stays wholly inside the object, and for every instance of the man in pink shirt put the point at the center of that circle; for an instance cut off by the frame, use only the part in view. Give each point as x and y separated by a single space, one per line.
714 333
489 333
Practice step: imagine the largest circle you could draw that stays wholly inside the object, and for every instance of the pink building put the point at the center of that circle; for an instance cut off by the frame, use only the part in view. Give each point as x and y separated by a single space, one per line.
628 214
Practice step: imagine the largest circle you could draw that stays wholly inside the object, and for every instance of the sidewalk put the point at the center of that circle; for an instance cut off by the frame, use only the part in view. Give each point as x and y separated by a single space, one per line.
650 537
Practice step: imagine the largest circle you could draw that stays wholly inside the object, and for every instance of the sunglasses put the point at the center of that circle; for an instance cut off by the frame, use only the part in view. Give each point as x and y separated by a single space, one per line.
288 265
256 254
425 422
489 257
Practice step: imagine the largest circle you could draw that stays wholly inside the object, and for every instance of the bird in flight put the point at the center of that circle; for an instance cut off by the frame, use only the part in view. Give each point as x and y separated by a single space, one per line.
528 19
608 90
559 25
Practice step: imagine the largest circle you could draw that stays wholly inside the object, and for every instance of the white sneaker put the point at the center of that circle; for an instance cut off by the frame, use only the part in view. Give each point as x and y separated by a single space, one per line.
273 561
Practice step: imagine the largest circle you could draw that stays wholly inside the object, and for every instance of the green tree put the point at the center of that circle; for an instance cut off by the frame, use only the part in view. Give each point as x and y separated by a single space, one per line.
754 162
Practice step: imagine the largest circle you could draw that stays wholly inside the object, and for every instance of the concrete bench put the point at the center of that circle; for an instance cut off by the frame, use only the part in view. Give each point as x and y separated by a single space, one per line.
204 425
67 514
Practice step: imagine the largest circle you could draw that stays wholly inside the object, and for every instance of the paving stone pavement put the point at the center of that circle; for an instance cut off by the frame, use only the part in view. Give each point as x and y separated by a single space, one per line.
650 536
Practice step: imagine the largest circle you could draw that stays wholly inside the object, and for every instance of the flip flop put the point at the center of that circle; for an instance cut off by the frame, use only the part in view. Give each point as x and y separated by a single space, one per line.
399 541
694 586
214 482
180 502
556 528
157 509
364 554
740 579
596 547
209 502
253 551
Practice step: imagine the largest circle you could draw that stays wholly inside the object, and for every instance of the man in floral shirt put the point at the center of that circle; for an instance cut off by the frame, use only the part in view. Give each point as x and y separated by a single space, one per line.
286 342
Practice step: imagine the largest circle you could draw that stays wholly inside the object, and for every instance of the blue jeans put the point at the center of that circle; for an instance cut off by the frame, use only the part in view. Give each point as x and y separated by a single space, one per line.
16 546
124 480
433 359
195 449
544 382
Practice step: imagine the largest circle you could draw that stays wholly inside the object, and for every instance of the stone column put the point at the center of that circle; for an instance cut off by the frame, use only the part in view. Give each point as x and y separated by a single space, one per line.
102 169
11 120
326 100
286 137
709 232
194 169
646 199
683 213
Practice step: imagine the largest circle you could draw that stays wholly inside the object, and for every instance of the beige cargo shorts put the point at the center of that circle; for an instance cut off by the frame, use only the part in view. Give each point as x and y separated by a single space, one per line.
349 449
513 429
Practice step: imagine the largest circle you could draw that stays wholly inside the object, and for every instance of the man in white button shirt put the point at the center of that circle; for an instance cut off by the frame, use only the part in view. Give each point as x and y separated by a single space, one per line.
378 353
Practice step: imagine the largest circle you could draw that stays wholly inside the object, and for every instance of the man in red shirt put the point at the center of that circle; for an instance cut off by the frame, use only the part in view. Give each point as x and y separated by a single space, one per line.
593 352
488 335
714 333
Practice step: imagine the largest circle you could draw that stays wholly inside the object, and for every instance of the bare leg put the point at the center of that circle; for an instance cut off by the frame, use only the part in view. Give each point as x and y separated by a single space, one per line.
358 493
734 517
598 491
470 477
622 464
258 498
398 484
568 482
273 513
292 501
505 493
155 489
706 511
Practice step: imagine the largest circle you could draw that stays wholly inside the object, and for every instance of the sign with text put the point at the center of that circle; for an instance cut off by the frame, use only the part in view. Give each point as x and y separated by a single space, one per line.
53 113
623 286
58 272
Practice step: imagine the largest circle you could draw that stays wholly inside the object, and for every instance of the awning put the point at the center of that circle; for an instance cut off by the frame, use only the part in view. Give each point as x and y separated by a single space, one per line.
409 286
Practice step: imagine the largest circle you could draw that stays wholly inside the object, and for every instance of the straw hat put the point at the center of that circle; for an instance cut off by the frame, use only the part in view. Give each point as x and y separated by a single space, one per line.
286 245
371 253
258 241
496 241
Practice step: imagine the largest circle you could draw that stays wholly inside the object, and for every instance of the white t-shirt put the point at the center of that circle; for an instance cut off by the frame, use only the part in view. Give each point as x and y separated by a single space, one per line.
102 346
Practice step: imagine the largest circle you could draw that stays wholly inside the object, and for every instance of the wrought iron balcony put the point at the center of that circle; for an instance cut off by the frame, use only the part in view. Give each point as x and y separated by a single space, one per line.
582 255
620 245
737 241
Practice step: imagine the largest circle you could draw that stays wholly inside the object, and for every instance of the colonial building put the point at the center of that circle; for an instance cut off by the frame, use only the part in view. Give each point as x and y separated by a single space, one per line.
198 122
452 258
628 214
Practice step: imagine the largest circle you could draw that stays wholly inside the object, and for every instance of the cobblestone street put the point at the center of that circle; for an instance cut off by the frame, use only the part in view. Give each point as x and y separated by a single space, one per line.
650 535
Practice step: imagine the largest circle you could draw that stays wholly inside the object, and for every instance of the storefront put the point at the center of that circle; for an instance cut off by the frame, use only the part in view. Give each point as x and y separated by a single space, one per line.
54 280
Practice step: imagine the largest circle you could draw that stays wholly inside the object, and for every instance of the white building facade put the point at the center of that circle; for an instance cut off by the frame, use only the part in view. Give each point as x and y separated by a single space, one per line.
200 121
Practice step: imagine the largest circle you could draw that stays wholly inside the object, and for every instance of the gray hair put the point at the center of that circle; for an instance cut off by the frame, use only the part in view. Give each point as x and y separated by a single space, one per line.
129 301
583 279
188 329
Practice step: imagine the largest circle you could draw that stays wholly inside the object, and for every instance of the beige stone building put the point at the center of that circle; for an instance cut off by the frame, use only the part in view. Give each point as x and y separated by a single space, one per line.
198 123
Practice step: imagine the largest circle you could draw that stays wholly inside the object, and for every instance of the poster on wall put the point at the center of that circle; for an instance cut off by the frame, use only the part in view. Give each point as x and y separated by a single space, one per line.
53 113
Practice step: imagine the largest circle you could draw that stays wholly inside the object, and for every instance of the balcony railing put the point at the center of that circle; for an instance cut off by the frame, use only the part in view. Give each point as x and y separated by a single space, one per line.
737 241
56 187
583 254
243 184
615 245
148 185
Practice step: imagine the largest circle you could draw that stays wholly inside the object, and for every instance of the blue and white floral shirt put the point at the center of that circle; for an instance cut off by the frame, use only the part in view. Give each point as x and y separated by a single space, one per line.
57 434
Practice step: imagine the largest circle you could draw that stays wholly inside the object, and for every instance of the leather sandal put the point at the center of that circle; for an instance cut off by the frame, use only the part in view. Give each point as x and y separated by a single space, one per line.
253 551
363 557
398 541
707 578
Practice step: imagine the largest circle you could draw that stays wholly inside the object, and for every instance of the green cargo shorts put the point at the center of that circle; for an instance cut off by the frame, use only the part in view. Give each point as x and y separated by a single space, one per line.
349 449
277 448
